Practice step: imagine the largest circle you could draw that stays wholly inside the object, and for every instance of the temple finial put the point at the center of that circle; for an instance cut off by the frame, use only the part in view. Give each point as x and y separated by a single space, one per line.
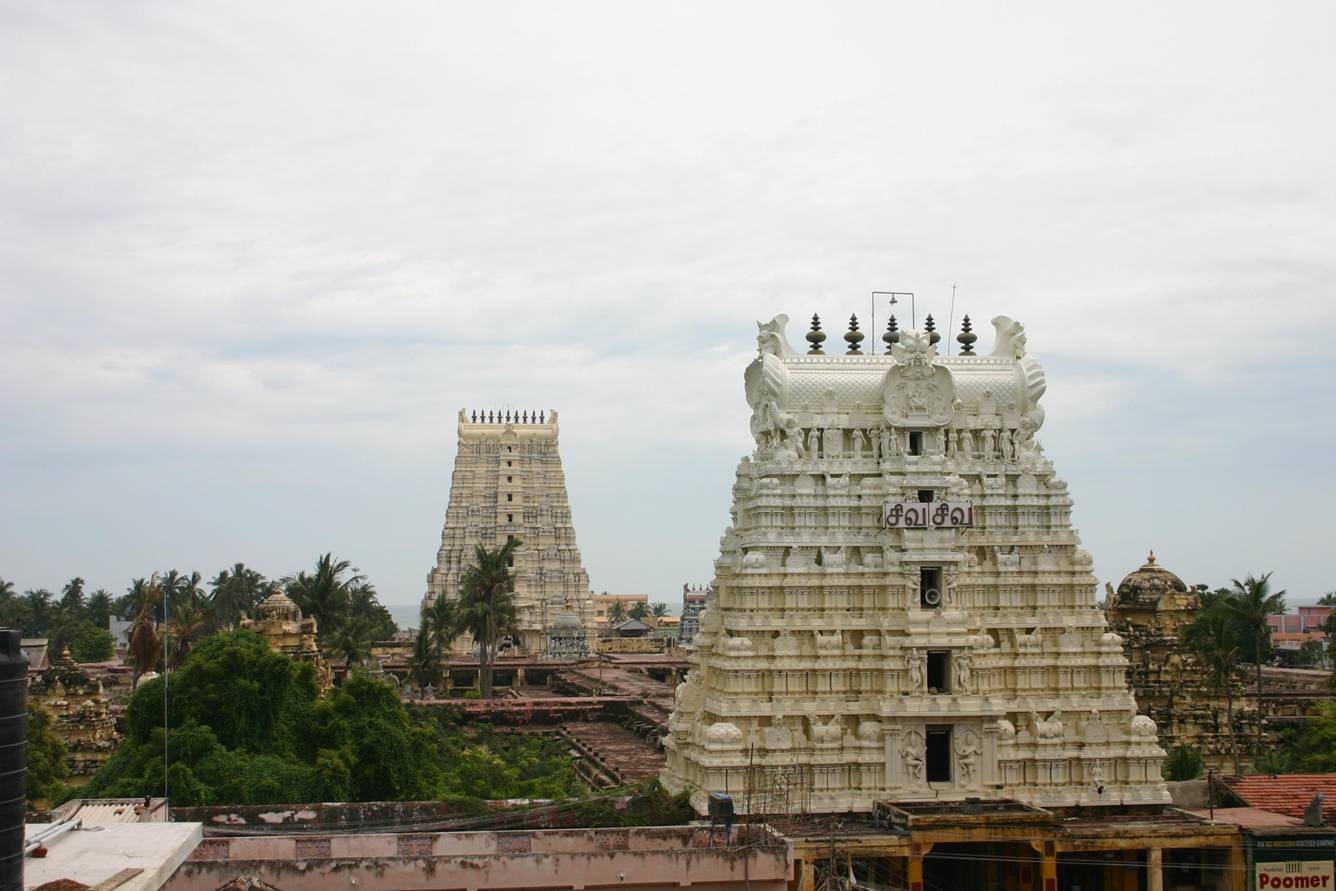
475 416
1150 556
966 337
892 335
853 337
931 328
816 336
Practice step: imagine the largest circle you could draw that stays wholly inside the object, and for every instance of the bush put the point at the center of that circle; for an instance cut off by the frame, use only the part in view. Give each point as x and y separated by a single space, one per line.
1183 763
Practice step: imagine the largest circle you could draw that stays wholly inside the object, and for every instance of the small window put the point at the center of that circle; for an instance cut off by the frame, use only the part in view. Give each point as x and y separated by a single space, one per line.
916 443
930 587
510 518
925 496
511 479
939 754
508 463
510 448
939 671
510 496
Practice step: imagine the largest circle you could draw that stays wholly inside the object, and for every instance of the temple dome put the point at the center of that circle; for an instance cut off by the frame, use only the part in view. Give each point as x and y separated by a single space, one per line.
1149 586
279 606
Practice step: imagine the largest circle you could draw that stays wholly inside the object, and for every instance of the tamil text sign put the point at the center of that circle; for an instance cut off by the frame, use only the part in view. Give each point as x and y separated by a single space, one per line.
927 515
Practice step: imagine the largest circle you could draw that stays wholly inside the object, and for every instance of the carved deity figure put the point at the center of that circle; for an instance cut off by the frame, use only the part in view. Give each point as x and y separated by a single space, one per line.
989 444
963 667
833 438
967 756
890 443
858 439
966 450
917 666
1007 446
813 443
914 752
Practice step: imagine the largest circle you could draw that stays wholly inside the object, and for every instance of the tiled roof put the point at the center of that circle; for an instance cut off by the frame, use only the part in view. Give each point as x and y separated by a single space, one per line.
1287 793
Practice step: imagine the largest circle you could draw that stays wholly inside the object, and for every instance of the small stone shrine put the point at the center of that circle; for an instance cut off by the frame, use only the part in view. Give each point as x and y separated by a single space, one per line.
280 622
901 609
508 483
1149 610
79 712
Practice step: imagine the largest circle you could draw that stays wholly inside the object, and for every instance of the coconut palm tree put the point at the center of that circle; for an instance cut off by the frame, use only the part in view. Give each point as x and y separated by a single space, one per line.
189 622
424 664
658 609
441 621
638 610
616 613
145 644
487 604
1213 636
351 641
324 593
100 607
1250 602
236 591
37 609
72 597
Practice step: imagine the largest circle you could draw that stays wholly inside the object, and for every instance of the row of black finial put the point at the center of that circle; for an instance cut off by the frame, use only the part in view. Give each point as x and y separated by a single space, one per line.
507 417
854 338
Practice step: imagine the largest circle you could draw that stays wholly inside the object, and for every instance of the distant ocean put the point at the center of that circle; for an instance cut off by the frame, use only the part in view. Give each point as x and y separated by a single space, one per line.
405 614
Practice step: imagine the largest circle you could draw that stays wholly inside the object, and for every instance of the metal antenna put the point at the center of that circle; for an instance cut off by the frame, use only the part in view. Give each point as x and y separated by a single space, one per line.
951 319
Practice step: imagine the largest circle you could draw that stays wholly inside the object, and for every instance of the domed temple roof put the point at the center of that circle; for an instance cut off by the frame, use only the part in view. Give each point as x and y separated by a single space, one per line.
1153 587
279 606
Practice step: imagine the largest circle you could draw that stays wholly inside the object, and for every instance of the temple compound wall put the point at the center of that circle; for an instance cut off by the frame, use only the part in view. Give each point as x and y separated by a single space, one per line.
901 609
508 482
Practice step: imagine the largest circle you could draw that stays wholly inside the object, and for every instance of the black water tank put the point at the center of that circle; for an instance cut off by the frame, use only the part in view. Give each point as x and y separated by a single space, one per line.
13 757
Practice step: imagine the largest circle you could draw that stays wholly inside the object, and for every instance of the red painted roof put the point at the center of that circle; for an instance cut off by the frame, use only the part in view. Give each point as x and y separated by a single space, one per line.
1287 793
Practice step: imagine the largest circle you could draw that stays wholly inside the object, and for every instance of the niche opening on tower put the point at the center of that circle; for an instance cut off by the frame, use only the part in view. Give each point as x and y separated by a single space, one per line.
916 442
939 671
939 753
930 587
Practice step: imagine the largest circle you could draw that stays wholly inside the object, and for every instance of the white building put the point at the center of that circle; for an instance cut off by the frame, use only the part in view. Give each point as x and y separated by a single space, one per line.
901 609
508 482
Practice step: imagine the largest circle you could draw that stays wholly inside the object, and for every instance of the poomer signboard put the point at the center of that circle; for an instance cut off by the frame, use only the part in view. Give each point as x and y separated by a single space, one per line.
1294 862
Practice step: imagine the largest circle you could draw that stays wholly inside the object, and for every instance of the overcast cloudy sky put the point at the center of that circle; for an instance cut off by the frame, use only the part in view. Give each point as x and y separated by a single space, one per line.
255 256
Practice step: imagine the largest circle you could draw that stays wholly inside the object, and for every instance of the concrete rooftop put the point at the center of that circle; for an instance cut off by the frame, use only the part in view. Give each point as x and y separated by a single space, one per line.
96 854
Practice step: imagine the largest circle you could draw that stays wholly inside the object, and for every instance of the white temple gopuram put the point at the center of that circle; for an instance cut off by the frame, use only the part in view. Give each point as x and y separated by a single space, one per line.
901 609
508 482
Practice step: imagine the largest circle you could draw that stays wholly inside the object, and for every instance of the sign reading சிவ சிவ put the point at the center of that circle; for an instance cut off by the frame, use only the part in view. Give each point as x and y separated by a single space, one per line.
927 515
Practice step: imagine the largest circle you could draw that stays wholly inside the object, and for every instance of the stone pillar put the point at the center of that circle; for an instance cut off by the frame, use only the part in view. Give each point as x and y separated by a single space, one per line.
917 852
1048 865
1155 870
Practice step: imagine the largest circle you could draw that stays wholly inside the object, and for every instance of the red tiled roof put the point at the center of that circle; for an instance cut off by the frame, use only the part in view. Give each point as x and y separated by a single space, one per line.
1287 793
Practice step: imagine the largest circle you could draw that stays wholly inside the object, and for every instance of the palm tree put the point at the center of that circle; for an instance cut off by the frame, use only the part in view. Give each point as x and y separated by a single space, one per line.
616 613
72 597
1213 636
236 592
352 641
658 609
441 622
6 590
638 610
1250 602
424 665
487 605
324 593
37 605
145 644
189 622
100 607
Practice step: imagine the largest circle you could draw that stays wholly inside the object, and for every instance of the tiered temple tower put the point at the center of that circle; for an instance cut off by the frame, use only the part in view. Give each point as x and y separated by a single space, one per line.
901 609
508 482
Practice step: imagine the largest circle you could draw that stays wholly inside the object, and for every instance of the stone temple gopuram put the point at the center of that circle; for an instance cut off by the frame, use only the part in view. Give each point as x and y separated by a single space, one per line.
508 482
901 609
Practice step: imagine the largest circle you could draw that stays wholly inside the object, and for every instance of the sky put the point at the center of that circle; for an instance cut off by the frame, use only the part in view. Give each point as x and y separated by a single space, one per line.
255 256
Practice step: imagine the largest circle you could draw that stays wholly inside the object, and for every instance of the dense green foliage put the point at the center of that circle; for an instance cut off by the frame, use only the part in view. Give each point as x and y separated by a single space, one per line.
1183 763
248 726
46 758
